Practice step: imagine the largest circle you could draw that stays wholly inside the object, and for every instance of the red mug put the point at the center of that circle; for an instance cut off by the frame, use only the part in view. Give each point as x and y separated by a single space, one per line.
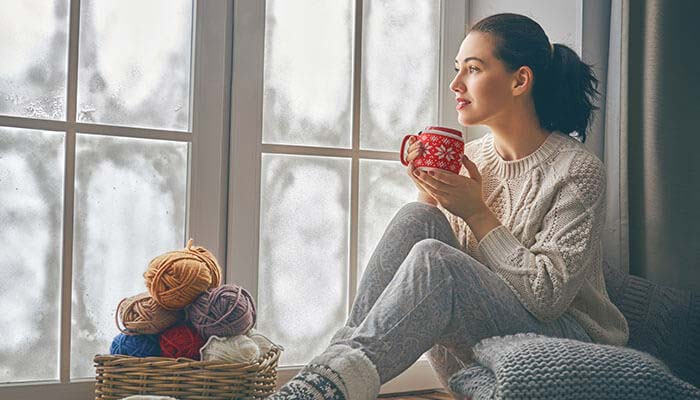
442 149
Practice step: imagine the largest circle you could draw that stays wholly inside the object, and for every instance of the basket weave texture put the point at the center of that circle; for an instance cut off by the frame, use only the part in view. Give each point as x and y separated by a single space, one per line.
120 376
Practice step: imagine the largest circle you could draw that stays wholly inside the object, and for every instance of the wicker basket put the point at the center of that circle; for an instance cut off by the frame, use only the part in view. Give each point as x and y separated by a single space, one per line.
183 378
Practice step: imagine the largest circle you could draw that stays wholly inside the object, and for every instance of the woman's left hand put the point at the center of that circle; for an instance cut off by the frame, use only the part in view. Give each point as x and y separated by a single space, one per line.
460 195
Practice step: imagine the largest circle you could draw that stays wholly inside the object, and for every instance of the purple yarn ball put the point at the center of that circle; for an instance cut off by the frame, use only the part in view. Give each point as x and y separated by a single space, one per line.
135 345
227 310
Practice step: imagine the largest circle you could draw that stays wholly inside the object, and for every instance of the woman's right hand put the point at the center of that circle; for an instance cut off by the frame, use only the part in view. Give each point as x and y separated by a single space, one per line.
415 150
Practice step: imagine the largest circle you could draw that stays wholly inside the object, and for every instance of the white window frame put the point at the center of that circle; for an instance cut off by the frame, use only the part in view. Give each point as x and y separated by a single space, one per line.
247 149
208 167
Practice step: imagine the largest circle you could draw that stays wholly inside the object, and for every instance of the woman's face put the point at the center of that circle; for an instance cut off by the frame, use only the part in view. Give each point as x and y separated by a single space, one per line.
482 85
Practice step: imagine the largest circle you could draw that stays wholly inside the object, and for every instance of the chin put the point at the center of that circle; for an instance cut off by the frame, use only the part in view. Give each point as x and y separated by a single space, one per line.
466 120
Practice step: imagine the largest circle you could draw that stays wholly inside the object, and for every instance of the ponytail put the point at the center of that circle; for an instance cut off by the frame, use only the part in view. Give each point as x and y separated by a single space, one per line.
564 88
564 98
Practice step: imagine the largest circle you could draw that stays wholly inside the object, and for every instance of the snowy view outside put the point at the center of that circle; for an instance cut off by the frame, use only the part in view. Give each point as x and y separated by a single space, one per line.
31 215
34 36
130 194
129 208
308 72
135 63
305 217
400 56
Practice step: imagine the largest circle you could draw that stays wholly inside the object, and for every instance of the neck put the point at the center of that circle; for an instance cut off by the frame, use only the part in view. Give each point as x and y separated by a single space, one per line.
519 134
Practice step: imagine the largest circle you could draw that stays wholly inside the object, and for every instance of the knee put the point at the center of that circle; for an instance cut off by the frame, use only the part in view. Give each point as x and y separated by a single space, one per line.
440 255
419 211
428 247
430 252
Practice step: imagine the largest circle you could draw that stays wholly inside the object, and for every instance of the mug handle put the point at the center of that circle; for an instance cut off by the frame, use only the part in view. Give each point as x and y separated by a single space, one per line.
402 153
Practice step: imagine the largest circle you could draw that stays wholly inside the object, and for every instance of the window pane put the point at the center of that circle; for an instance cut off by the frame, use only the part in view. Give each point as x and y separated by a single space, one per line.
31 217
400 56
308 72
384 189
304 235
134 66
130 199
34 37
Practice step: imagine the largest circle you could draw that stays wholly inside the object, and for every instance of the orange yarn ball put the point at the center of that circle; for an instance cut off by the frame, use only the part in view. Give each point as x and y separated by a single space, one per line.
142 316
176 278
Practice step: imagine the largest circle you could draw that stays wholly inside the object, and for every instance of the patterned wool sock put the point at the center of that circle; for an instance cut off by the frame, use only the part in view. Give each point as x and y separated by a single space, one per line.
339 373
314 381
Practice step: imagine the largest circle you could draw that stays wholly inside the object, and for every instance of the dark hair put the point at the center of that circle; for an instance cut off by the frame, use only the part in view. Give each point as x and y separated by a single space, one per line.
564 86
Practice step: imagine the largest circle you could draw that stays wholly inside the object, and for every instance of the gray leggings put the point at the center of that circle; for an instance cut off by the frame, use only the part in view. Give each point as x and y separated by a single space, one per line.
421 293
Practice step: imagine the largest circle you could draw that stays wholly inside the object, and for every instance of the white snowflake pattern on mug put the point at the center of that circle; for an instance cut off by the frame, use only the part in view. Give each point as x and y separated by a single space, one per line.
446 153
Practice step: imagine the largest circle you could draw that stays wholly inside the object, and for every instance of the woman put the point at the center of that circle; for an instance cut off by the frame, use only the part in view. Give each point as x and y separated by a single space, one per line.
510 245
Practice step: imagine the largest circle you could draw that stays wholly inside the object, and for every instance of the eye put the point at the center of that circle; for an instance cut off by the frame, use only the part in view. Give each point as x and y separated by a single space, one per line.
471 68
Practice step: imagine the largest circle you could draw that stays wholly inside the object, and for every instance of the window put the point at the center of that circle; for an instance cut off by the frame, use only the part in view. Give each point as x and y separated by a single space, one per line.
112 150
321 100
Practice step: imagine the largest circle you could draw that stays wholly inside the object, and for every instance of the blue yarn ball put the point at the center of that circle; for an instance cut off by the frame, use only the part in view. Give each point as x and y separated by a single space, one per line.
135 345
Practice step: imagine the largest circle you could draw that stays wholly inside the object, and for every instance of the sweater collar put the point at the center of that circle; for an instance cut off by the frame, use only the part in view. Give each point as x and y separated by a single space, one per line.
511 169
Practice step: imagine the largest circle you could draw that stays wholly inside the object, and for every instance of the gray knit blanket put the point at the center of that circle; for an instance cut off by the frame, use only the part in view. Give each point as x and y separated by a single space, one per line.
531 366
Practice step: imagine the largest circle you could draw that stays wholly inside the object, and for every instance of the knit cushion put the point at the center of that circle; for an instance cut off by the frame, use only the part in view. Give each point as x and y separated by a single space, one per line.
530 366
663 321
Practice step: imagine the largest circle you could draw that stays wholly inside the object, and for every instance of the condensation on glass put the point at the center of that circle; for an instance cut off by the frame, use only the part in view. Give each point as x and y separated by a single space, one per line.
400 64
31 221
134 63
130 206
308 72
304 239
34 50
384 189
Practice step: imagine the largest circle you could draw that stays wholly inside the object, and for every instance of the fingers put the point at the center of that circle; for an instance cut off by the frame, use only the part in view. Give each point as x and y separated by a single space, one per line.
415 149
411 173
430 183
471 167
448 178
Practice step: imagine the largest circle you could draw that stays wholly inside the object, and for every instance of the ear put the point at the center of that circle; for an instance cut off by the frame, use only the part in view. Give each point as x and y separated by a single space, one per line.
523 78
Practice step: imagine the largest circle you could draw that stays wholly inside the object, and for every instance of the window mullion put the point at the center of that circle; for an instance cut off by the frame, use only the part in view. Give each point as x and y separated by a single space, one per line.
68 196
453 18
355 168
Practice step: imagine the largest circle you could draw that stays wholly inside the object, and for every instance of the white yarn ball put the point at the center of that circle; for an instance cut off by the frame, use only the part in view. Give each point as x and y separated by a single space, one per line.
234 349
264 344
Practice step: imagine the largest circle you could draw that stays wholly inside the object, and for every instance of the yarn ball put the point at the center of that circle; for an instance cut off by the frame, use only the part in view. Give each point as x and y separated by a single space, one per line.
234 349
181 341
135 345
264 344
176 278
227 310
140 314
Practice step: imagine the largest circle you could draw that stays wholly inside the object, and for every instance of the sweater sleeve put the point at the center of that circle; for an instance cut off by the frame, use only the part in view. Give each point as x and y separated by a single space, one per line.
547 276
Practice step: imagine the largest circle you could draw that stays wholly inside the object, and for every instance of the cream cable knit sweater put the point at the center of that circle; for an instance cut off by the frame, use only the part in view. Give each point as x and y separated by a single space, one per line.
551 205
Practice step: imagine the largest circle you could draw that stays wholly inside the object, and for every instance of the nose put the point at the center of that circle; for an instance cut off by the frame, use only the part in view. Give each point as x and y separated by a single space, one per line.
457 85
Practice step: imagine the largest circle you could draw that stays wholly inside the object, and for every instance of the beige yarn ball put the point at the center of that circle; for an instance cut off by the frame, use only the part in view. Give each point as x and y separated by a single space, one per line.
141 315
233 349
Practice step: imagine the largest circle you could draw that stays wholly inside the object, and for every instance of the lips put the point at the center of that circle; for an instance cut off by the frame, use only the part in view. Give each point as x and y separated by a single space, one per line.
462 103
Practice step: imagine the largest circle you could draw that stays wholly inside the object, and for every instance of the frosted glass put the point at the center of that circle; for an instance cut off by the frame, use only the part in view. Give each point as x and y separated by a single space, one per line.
134 63
34 50
130 206
400 65
308 72
384 189
304 236
31 217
